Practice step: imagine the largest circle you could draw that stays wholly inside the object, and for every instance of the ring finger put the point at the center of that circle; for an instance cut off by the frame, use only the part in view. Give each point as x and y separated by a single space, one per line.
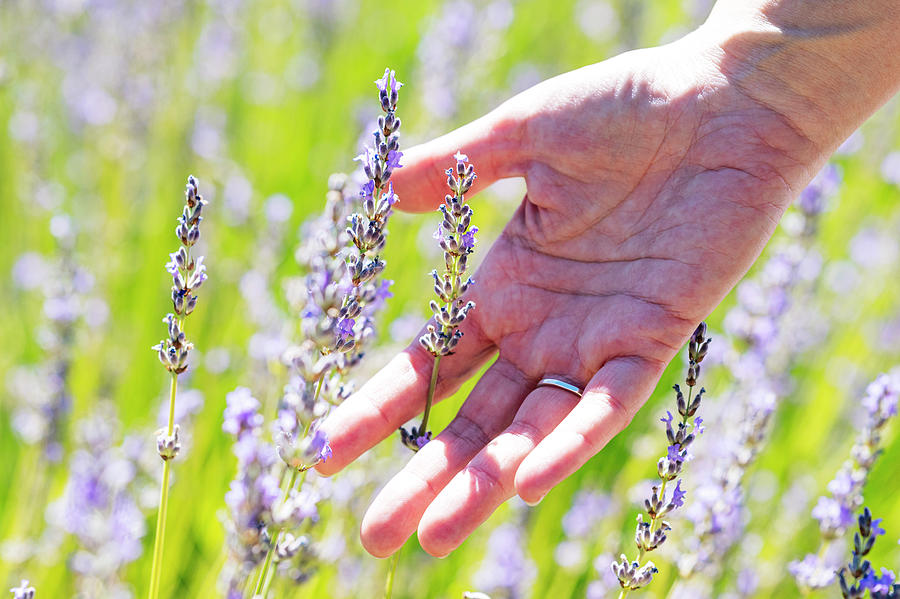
488 480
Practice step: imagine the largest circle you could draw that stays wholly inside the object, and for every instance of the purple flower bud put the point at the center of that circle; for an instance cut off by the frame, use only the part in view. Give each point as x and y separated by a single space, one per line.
345 328
678 495
467 241
319 446
698 426
388 83
674 453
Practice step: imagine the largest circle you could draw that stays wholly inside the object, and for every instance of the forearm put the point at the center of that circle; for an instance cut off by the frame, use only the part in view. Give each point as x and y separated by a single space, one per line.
824 65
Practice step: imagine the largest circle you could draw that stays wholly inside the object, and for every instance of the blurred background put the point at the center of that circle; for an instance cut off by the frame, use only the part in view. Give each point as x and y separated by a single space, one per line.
107 106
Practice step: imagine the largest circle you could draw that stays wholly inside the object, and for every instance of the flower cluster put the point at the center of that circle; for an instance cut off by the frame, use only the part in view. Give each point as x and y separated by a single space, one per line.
835 513
318 296
253 501
860 570
253 492
341 292
188 275
650 534
456 236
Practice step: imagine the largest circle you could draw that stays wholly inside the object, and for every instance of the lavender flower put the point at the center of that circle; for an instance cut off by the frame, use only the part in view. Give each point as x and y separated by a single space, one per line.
23 591
342 290
241 412
651 534
188 275
367 228
811 573
456 236
338 300
860 570
835 513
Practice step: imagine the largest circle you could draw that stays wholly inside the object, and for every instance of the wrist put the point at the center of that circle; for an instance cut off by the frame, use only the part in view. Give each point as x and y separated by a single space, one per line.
823 66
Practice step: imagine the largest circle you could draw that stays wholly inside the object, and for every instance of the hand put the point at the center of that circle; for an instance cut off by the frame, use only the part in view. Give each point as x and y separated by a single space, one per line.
653 184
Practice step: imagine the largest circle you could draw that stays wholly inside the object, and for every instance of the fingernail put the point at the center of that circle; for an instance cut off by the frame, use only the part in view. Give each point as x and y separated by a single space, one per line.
532 504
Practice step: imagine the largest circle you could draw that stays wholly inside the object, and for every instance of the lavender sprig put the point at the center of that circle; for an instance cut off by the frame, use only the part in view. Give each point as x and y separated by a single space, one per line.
651 534
860 570
835 513
342 288
367 228
188 275
456 236
343 293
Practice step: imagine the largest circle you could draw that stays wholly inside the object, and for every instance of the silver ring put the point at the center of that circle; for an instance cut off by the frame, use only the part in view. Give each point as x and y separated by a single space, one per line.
560 384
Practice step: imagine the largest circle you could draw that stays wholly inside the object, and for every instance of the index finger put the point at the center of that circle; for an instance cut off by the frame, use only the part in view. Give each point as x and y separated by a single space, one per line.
494 143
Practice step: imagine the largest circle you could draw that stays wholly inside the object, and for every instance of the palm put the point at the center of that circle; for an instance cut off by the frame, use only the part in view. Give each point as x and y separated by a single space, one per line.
647 201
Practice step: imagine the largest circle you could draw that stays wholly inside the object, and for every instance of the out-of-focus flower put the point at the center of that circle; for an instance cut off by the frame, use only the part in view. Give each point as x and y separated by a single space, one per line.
835 513
23 591
506 572
450 68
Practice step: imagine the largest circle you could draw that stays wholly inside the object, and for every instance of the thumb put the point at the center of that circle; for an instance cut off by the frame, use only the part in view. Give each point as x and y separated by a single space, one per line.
493 144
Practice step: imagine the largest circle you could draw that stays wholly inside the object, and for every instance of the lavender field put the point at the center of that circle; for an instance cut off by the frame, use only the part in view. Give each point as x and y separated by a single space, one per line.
246 129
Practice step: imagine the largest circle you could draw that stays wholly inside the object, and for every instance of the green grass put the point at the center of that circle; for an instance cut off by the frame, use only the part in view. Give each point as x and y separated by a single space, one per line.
122 185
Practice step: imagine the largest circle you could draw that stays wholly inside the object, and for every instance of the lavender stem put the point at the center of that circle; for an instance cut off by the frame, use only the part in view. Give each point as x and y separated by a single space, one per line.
389 585
431 388
156 568
268 562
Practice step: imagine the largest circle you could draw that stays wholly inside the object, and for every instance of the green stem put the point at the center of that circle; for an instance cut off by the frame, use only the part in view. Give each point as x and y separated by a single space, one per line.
430 398
389 584
623 593
156 568
260 589
265 569
318 390
262 584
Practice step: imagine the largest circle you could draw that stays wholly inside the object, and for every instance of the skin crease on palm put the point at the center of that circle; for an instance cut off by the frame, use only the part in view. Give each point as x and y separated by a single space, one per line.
654 180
